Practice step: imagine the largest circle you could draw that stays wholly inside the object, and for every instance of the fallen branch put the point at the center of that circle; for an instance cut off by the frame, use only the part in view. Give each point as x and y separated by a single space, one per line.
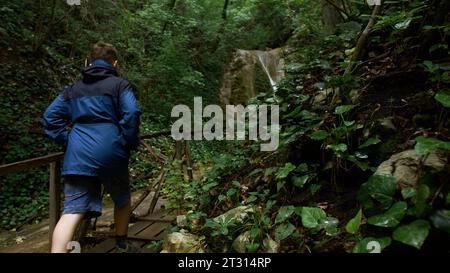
152 152
363 38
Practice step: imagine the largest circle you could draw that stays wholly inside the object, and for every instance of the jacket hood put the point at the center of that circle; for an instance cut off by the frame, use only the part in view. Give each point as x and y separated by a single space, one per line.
98 70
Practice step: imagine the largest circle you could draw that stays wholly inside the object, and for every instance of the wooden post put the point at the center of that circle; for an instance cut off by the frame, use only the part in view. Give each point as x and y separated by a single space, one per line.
187 152
54 196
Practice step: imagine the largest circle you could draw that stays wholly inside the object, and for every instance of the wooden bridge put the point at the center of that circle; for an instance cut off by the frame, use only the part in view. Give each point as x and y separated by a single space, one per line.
147 227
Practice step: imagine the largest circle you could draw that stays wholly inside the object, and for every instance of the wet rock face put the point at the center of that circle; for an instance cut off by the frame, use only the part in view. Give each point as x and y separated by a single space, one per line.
405 166
251 72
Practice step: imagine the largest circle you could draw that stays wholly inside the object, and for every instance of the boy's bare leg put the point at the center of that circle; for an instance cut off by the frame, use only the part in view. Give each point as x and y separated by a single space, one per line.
122 219
64 232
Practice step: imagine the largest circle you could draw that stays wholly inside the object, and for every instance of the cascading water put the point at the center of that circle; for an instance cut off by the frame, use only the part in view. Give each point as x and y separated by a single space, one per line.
248 73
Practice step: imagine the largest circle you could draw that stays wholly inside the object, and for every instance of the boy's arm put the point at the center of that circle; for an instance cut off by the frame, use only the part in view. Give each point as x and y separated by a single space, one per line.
56 120
130 114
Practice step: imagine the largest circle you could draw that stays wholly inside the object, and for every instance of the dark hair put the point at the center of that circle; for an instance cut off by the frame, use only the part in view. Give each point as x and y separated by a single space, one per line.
104 51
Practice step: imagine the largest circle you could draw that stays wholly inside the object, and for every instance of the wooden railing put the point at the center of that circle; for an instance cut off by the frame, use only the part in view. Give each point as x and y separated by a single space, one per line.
54 162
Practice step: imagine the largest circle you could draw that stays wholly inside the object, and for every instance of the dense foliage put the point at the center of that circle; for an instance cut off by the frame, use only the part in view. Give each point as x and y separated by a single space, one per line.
340 117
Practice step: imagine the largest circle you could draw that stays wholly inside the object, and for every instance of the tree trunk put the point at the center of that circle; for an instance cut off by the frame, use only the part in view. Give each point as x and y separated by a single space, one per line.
224 10
171 6
331 16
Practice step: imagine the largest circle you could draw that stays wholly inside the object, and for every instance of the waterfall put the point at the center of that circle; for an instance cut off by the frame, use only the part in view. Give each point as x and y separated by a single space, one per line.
241 78
265 59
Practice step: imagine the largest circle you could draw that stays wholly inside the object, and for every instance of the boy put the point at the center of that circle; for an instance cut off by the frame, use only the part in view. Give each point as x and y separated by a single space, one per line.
104 117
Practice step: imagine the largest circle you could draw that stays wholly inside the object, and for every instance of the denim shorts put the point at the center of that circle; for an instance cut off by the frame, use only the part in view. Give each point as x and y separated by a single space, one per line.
83 194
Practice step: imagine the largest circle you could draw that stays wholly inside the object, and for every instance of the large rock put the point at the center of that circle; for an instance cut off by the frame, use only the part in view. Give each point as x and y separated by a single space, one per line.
238 213
405 166
270 245
241 242
182 242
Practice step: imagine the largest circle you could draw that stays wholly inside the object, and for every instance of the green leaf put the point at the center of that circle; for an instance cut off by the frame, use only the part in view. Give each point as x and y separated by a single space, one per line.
354 223
311 216
314 188
318 135
379 187
302 168
369 142
408 193
295 113
301 181
441 220
231 192
423 192
390 218
368 245
252 247
338 148
329 224
343 109
284 171
283 231
443 98
425 145
349 123
413 234
284 213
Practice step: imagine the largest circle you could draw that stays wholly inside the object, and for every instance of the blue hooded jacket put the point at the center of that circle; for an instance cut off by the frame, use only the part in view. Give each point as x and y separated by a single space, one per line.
104 117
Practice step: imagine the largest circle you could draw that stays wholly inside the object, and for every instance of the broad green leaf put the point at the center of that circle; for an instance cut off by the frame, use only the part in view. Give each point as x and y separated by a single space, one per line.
369 142
343 109
369 245
329 224
349 123
423 192
338 148
283 231
354 223
284 213
441 220
311 216
318 135
301 181
302 168
443 98
295 113
425 145
413 234
231 192
379 187
284 171
361 164
408 193
390 218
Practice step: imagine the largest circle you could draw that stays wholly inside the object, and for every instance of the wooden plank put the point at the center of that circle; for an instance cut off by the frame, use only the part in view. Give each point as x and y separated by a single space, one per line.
152 231
30 163
158 220
104 247
54 196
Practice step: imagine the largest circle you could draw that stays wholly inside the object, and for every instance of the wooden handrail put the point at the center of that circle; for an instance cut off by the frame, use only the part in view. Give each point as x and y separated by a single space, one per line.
54 162
30 163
